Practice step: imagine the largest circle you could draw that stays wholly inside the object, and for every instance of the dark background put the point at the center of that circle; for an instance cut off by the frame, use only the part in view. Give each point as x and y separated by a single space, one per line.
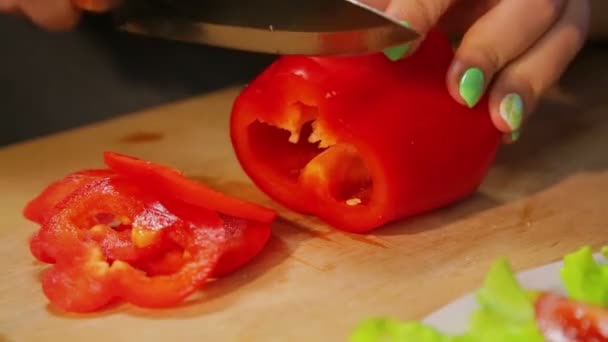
55 81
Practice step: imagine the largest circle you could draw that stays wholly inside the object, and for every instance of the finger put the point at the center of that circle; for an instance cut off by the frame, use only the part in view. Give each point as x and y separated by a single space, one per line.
420 15
98 6
9 6
495 39
519 86
463 14
55 15
377 4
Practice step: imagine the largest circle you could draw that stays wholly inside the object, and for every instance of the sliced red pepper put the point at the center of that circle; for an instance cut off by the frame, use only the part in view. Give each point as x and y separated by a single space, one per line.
204 247
362 141
244 241
112 238
80 282
117 243
40 208
562 319
37 248
87 275
172 183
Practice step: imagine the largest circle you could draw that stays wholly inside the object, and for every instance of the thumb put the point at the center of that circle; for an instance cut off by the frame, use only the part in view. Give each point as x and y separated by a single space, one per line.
420 15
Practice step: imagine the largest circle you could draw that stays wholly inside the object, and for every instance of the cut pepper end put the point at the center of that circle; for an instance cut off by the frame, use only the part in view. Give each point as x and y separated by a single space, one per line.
308 155
328 174
339 174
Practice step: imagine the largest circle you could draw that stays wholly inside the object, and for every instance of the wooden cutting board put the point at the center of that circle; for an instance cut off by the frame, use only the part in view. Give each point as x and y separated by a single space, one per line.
545 196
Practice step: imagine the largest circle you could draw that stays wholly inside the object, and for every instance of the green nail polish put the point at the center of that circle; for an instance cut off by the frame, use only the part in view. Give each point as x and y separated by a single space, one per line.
471 86
398 52
515 136
511 110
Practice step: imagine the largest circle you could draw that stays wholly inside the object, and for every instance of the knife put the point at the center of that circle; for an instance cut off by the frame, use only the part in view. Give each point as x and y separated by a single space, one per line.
285 27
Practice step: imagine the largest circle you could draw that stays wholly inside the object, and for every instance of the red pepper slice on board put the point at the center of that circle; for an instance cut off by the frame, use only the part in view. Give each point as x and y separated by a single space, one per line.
172 183
362 141
40 208
109 236
204 247
83 216
81 283
247 224
244 241
562 319
37 248
86 276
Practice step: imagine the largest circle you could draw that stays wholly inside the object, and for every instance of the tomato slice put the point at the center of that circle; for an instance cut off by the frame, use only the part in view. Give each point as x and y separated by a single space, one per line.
40 208
562 319
172 183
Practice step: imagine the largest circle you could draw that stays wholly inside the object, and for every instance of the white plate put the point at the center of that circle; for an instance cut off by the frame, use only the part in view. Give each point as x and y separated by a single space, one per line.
453 318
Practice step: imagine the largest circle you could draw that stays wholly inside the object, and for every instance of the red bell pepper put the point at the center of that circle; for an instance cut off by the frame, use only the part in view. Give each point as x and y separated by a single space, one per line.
562 319
40 208
362 141
111 237
172 183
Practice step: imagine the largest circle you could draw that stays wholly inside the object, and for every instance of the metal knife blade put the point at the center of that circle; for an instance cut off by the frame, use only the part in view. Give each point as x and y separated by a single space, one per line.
307 27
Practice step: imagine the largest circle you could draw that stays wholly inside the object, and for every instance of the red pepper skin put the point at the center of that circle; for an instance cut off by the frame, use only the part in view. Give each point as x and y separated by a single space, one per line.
37 248
247 225
111 238
561 319
204 246
84 214
86 276
389 124
40 208
244 241
172 183
80 281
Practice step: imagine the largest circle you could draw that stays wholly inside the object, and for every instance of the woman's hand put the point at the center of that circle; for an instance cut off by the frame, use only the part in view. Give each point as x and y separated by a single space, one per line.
515 49
54 15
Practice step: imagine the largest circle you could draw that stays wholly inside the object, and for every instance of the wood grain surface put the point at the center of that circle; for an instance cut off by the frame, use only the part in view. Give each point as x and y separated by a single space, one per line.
545 196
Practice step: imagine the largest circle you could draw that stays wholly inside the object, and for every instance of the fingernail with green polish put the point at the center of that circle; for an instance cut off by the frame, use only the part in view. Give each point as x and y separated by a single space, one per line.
471 86
515 136
398 52
511 110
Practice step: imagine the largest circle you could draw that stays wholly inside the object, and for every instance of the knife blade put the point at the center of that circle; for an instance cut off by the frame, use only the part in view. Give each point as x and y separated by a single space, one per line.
306 27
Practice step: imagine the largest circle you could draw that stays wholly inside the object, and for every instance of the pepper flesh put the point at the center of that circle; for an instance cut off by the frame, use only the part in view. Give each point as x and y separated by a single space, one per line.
362 141
86 275
172 183
41 207
112 238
